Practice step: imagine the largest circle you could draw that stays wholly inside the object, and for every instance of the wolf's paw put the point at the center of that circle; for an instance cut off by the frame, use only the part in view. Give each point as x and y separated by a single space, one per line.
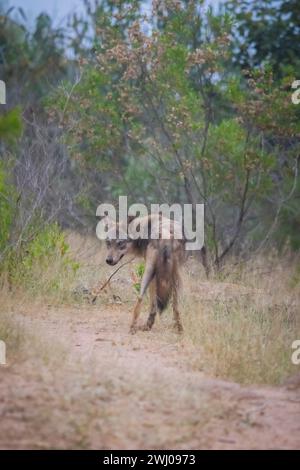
146 327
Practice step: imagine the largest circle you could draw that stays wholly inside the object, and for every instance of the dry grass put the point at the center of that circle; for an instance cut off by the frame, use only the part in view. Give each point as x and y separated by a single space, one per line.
63 397
244 327
11 333
24 340
241 323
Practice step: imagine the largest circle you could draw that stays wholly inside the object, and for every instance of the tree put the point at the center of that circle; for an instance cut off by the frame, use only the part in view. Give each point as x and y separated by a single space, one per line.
166 120
35 172
30 61
267 32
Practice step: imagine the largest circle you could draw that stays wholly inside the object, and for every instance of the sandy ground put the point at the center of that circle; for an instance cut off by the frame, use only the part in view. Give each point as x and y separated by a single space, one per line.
93 385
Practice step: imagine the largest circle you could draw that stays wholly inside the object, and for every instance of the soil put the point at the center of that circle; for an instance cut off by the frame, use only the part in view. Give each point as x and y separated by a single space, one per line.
88 383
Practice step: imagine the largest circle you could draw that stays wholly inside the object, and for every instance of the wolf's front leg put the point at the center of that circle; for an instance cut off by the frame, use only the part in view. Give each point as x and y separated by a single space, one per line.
176 314
153 306
136 314
149 272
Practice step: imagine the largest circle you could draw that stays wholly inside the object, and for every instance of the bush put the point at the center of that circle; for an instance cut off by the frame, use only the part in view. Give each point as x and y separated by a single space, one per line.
6 212
45 266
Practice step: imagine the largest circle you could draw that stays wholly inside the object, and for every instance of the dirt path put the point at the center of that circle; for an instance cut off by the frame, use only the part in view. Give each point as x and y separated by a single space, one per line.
96 386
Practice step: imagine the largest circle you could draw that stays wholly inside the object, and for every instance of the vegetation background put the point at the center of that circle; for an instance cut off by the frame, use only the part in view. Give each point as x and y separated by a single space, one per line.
163 101
169 102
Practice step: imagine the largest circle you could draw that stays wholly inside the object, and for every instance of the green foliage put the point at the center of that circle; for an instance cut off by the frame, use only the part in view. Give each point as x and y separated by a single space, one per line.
30 57
164 115
45 264
165 108
7 197
139 272
267 32
289 221
10 125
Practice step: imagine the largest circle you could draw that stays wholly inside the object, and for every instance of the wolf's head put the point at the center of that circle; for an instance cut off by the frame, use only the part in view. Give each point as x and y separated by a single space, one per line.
116 249
118 242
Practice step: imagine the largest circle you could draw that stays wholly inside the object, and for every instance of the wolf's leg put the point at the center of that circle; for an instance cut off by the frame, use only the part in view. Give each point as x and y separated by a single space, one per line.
147 278
178 324
136 314
153 306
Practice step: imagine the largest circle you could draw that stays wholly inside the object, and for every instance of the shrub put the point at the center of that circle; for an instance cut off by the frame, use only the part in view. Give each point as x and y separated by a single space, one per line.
46 265
6 211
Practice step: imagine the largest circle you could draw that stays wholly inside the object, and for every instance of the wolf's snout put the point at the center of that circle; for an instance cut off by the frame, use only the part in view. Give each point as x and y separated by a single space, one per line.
110 260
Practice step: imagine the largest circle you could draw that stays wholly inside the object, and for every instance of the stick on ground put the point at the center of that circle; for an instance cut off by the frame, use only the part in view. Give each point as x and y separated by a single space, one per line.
96 291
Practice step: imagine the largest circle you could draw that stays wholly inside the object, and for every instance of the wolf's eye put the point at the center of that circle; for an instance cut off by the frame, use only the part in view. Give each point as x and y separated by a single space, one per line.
121 243
108 243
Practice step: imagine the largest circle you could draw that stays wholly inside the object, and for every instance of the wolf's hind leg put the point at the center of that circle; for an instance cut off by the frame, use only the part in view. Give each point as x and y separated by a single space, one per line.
153 306
147 278
176 315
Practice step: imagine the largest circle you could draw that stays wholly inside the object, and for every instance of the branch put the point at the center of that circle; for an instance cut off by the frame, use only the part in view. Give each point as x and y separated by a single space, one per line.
280 205
243 210
96 290
77 81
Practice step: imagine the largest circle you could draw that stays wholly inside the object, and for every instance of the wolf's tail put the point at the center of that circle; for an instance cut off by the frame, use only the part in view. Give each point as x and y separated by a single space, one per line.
167 276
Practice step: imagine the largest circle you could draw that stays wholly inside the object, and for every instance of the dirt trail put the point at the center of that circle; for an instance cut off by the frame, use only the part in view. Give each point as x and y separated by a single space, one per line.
104 388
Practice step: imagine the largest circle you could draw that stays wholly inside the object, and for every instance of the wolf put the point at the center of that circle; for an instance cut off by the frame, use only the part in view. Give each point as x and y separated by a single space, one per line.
163 256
